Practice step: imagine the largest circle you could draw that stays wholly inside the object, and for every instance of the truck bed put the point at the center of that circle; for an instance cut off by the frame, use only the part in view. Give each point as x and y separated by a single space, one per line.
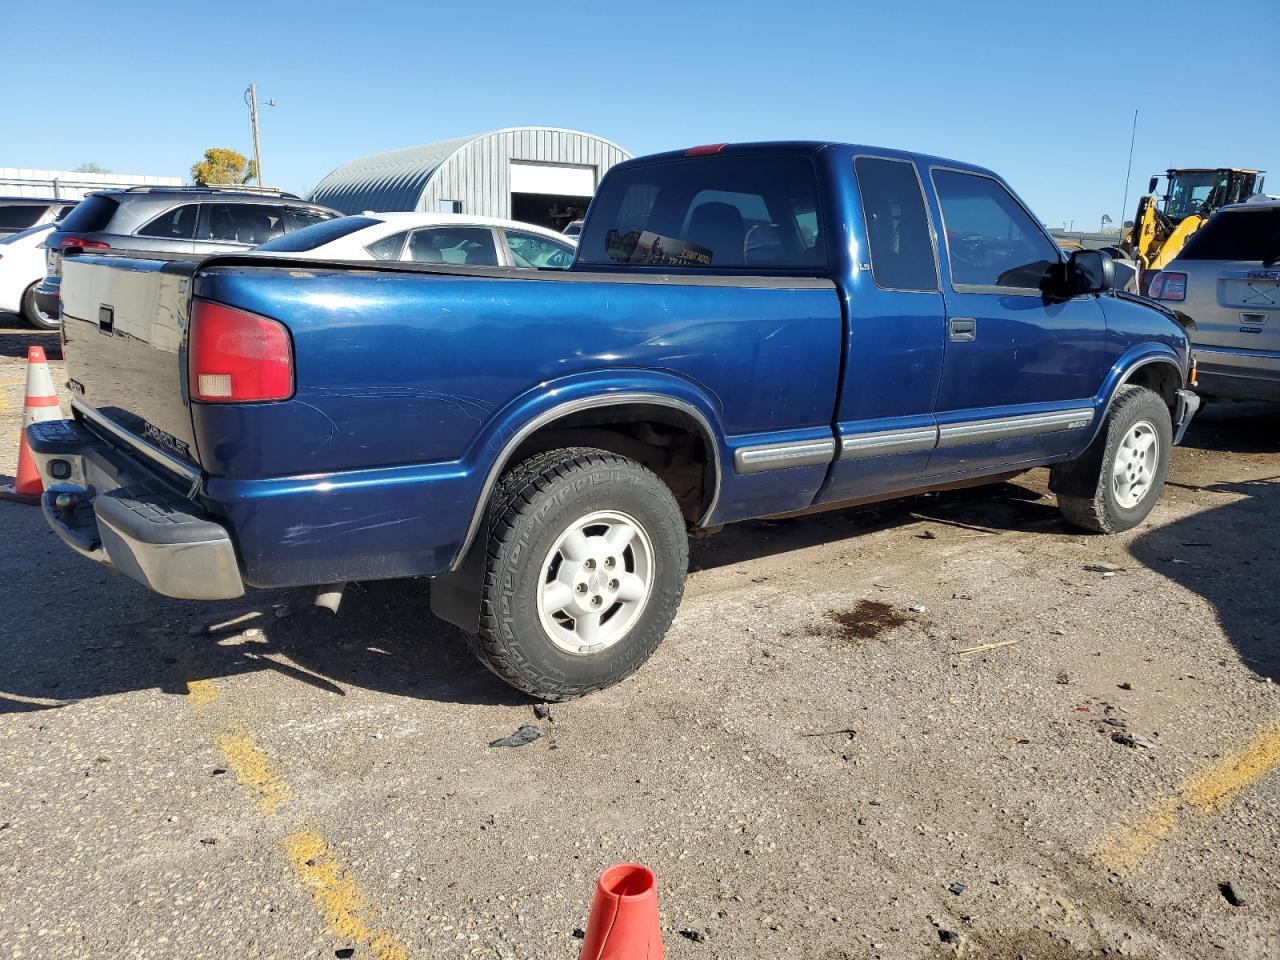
410 376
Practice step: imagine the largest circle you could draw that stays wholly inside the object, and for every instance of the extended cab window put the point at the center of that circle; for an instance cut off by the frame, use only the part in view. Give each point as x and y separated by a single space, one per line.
176 224
991 240
248 223
757 213
897 224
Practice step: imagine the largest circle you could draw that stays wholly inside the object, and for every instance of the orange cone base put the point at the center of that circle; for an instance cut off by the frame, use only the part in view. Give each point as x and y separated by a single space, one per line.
9 492
624 916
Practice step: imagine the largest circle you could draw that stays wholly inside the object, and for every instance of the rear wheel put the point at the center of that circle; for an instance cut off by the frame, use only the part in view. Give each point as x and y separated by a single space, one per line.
1117 481
585 566
34 315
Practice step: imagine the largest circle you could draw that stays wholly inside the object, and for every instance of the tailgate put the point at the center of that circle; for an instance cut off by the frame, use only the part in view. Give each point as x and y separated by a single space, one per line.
125 325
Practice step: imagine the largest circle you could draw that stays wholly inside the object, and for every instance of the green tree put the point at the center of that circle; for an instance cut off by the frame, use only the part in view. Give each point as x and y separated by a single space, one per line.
223 165
91 168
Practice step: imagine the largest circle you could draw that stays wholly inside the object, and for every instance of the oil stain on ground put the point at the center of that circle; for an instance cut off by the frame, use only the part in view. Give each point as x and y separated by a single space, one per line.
866 621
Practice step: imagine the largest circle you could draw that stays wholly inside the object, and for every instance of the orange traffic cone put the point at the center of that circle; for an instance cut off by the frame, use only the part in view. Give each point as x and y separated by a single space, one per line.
41 404
624 916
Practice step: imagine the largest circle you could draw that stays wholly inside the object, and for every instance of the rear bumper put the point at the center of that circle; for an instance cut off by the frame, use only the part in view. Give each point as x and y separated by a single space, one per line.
110 509
1238 374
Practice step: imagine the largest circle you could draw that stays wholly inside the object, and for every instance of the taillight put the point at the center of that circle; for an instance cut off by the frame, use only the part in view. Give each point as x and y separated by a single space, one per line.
704 149
1168 286
237 357
82 244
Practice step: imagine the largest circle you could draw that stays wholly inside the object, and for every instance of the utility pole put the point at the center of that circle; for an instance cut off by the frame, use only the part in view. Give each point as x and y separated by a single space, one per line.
251 98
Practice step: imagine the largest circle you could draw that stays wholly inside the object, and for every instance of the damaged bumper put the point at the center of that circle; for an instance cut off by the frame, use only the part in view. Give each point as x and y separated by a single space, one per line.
111 509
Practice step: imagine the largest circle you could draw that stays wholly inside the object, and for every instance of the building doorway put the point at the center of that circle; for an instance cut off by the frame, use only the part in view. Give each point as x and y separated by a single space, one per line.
548 210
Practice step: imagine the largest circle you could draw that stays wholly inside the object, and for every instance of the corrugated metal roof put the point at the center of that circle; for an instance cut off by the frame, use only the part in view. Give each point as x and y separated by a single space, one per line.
385 181
403 179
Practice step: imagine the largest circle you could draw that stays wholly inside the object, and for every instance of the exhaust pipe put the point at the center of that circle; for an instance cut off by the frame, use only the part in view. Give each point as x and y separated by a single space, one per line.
330 596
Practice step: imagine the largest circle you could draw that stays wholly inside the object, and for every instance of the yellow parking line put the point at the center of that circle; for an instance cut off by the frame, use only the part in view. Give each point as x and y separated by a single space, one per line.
252 768
1206 792
202 692
1220 784
339 898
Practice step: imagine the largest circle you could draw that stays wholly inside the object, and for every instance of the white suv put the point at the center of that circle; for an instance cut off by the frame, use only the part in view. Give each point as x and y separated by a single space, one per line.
1227 279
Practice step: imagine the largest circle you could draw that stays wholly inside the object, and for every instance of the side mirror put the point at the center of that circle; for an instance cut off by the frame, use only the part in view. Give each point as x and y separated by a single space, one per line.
1151 185
1090 271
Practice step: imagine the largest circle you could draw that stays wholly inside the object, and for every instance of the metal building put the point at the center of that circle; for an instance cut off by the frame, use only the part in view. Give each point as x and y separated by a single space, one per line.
536 174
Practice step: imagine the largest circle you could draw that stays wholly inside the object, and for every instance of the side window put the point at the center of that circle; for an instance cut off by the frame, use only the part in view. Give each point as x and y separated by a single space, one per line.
176 224
63 211
388 248
897 224
247 223
470 245
991 240
299 217
530 250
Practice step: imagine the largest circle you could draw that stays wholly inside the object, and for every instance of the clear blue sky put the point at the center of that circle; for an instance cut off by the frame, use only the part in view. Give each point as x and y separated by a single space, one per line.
1042 92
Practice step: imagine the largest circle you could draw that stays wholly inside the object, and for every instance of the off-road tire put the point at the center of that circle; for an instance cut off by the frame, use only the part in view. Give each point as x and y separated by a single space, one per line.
32 315
531 507
1084 488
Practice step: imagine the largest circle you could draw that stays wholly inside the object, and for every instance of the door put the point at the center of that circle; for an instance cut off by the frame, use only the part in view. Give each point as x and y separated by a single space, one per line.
894 339
1020 369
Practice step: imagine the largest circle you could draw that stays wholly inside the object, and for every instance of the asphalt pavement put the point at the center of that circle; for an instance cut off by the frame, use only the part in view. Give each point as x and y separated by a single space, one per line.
945 727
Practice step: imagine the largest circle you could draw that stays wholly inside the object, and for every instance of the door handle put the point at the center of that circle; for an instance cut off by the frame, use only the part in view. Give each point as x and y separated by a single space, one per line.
963 328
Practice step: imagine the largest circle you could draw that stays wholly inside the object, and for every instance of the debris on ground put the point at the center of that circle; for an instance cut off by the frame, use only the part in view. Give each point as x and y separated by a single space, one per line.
1233 893
1115 722
926 535
1132 740
543 712
986 646
957 888
527 733
919 608
1102 567
1063 678
1126 685
696 934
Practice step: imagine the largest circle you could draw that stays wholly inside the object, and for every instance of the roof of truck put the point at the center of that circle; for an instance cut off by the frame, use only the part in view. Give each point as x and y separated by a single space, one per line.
807 147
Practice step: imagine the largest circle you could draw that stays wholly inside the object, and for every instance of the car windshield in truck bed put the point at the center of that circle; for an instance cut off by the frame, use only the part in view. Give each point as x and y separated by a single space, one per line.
736 212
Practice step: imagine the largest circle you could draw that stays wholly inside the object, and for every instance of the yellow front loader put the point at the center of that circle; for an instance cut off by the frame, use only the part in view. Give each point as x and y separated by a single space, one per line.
1162 225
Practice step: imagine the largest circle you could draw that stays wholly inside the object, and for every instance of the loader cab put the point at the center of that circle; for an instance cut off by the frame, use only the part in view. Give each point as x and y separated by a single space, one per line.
1191 191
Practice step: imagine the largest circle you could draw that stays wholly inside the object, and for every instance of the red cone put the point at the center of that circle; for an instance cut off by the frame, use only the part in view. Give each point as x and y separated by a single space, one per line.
41 404
624 916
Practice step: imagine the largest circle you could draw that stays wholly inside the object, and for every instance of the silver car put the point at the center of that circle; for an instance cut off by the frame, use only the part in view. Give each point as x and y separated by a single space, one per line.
1227 280
173 220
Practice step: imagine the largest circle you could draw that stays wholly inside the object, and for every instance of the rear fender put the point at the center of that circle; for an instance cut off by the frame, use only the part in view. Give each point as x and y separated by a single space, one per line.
492 451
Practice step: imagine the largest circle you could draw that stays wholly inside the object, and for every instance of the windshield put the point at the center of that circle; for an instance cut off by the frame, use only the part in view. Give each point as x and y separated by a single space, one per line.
1188 192
317 235
752 212
1252 235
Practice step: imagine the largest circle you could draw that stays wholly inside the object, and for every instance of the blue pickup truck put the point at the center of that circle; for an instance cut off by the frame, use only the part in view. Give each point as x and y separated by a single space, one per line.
747 331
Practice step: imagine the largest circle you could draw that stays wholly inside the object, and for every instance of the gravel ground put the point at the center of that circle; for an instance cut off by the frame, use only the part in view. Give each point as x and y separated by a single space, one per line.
808 764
